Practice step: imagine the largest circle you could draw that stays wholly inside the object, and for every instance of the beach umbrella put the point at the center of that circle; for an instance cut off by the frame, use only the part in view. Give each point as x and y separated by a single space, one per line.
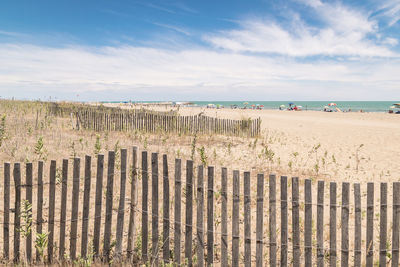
290 103
332 104
262 106
392 107
245 103
282 106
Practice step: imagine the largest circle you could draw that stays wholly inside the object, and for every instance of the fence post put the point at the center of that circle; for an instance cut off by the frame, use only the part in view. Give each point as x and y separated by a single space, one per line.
235 219
109 205
370 225
307 223
166 219
85 208
133 201
284 221
260 222
383 226
189 212
28 182
63 216
177 215
210 217
6 221
247 219
320 224
39 213
224 222
200 226
17 184
396 224
75 203
154 207
357 223
121 206
145 218
345 224
98 203
295 222
332 225
52 202
272 220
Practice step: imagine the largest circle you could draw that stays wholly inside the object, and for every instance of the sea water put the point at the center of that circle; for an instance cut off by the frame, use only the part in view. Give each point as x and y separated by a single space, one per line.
366 106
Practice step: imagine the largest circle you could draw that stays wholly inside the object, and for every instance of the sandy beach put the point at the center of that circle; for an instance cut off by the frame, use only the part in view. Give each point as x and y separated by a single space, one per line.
341 146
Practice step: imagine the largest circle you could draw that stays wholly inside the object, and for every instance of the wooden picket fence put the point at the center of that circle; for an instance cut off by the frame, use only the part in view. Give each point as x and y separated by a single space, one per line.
151 121
199 239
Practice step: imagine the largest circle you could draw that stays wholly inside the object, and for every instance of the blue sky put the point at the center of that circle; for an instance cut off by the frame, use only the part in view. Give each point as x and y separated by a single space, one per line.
200 50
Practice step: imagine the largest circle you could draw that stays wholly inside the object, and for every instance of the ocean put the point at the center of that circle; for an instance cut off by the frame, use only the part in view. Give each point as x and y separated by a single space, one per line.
354 106
367 106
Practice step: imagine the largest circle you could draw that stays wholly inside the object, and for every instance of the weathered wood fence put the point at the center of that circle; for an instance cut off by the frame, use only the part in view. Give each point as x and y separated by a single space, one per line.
227 237
164 122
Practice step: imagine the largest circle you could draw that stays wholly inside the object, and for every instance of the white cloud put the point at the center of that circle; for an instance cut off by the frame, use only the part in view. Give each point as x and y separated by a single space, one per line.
116 72
343 32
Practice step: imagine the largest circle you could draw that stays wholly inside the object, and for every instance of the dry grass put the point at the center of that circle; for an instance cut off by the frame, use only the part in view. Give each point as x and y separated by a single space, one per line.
29 135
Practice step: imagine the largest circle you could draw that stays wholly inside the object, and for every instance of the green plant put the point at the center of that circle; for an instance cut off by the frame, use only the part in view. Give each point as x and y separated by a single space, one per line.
203 156
97 145
41 243
26 216
2 129
193 145
40 150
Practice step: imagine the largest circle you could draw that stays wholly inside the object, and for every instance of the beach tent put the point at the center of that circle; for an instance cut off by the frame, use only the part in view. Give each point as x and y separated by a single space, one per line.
332 104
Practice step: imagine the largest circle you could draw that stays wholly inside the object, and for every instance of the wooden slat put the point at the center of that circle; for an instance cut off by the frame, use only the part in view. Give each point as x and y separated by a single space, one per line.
86 207
357 227
396 224
345 224
272 220
121 205
260 221
17 211
247 219
28 239
307 223
63 213
39 213
210 216
370 226
235 219
189 212
332 224
295 222
75 205
133 197
6 217
320 224
383 226
52 204
284 222
154 208
166 215
98 203
200 216
145 214
109 205
224 220
177 209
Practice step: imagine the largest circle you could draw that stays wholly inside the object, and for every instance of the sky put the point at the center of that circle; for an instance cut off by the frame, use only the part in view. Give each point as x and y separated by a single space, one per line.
200 50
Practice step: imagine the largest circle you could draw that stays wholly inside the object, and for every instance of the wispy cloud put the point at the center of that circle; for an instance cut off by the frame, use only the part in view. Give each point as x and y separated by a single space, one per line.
13 34
173 27
203 73
343 32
